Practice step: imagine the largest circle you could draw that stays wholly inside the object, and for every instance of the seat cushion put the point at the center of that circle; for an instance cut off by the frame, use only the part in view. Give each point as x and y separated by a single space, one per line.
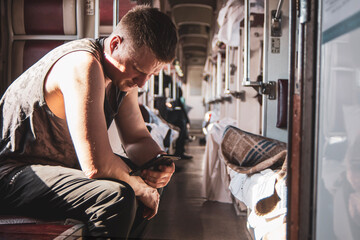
26 53
248 153
44 17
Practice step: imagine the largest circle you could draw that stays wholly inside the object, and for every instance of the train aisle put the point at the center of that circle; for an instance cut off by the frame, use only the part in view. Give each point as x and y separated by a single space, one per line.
185 214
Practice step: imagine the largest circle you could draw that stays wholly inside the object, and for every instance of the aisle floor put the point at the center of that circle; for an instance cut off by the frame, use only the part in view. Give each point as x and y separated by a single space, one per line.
185 214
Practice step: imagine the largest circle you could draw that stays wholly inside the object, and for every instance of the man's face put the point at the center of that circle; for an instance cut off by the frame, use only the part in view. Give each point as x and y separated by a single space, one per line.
132 69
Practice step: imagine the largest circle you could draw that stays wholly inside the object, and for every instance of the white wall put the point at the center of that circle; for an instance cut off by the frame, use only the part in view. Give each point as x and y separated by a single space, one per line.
276 67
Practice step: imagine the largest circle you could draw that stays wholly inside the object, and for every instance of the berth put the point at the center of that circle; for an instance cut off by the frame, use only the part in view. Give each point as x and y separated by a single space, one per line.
249 171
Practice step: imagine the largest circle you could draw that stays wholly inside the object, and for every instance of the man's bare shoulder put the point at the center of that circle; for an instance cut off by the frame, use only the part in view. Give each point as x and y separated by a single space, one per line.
79 59
71 77
75 65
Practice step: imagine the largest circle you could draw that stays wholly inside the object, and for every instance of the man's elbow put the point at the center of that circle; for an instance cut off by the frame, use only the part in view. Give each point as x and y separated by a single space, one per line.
91 173
94 173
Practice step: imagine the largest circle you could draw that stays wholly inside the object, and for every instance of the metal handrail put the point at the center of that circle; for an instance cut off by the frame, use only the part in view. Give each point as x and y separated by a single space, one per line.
227 70
278 9
97 19
115 13
218 75
246 80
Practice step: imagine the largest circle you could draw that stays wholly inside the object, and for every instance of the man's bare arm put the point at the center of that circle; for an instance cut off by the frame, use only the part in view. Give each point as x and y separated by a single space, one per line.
138 143
81 82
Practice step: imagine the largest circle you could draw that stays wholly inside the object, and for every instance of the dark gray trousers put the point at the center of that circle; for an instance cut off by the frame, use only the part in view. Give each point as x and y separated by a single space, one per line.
107 207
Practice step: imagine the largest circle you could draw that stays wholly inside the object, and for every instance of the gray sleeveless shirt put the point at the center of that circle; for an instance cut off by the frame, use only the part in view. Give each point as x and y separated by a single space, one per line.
30 132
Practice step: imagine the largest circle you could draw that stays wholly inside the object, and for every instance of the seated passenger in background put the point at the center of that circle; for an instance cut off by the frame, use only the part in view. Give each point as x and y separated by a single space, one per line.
181 121
55 156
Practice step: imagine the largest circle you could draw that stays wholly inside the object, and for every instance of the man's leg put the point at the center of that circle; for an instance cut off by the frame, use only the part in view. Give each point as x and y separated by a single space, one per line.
107 207
180 142
138 230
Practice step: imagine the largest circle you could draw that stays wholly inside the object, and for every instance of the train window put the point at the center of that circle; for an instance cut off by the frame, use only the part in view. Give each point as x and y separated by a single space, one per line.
338 191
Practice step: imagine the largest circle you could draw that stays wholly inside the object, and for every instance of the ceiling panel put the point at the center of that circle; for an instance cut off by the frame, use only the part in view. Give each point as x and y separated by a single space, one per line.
192 14
193 30
193 20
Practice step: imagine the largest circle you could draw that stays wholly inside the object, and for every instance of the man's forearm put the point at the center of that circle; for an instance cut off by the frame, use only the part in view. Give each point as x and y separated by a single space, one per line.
116 168
143 150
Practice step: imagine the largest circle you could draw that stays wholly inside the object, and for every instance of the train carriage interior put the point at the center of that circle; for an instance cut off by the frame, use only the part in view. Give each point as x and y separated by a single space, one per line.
261 103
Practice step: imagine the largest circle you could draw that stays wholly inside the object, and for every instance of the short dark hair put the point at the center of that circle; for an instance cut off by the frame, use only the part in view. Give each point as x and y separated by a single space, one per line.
152 28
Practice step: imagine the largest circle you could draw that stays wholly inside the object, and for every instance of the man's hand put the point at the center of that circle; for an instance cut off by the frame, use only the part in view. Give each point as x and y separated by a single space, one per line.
150 198
160 178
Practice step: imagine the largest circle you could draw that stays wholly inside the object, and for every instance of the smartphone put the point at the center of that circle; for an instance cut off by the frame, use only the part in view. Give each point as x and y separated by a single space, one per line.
153 164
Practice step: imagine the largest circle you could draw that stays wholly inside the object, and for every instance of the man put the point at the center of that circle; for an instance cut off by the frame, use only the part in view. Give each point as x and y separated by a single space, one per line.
181 121
55 156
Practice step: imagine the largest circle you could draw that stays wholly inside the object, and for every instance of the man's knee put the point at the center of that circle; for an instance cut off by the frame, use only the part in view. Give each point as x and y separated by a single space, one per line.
127 195
118 196
114 212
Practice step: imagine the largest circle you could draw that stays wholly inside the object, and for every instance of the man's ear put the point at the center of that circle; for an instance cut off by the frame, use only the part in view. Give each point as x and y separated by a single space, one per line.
115 42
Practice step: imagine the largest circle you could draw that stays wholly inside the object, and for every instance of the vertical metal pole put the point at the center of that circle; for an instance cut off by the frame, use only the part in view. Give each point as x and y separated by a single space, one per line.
97 18
174 88
227 70
238 74
247 42
213 82
169 69
115 13
278 9
152 96
209 89
300 60
161 83
146 92
302 21
218 78
261 58
144 101
80 18
238 83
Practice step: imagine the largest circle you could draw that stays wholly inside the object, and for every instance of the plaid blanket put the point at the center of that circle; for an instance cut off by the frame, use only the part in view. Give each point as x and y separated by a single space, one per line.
249 153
